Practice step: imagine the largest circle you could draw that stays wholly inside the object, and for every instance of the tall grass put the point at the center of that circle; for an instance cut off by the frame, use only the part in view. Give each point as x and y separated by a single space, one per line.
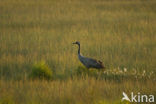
121 33
80 91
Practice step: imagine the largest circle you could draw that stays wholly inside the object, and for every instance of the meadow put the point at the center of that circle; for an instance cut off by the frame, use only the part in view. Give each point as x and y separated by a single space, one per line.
120 33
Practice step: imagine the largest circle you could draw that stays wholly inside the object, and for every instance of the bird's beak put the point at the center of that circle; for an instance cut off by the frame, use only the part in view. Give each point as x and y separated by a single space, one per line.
74 43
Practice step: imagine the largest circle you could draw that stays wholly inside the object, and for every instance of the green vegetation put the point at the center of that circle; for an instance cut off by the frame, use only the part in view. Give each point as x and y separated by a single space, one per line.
120 33
41 71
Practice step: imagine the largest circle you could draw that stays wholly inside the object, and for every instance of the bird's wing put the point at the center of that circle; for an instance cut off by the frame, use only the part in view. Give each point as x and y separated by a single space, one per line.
89 62
94 62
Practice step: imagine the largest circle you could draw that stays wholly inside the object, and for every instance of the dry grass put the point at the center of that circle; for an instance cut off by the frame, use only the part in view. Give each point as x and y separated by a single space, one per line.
76 91
121 33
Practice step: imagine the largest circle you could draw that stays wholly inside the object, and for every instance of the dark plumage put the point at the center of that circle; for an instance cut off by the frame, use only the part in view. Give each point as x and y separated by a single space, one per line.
89 62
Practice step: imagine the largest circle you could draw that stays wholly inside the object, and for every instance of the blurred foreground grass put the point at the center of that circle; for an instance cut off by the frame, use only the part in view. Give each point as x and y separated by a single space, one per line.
73 91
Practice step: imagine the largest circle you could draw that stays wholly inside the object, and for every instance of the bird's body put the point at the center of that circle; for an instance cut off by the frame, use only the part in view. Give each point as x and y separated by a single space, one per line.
89 62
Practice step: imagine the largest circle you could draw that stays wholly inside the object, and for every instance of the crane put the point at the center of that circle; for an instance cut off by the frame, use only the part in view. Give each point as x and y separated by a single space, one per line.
89 62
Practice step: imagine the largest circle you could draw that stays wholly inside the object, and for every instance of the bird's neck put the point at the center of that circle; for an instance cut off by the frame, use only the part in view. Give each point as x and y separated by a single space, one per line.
79 49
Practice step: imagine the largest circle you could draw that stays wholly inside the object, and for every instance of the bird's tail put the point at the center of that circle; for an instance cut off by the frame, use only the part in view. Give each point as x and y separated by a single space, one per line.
101 64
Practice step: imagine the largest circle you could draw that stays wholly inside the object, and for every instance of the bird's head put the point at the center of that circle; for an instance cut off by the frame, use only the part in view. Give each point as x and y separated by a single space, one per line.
78 43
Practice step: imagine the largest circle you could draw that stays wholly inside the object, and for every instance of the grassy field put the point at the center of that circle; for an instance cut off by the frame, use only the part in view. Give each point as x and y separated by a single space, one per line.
121 33
79 91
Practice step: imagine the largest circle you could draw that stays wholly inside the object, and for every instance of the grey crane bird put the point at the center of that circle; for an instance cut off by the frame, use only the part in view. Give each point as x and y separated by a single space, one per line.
89 62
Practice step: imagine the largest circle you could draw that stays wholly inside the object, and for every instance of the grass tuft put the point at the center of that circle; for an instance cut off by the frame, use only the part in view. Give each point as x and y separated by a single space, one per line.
41 71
